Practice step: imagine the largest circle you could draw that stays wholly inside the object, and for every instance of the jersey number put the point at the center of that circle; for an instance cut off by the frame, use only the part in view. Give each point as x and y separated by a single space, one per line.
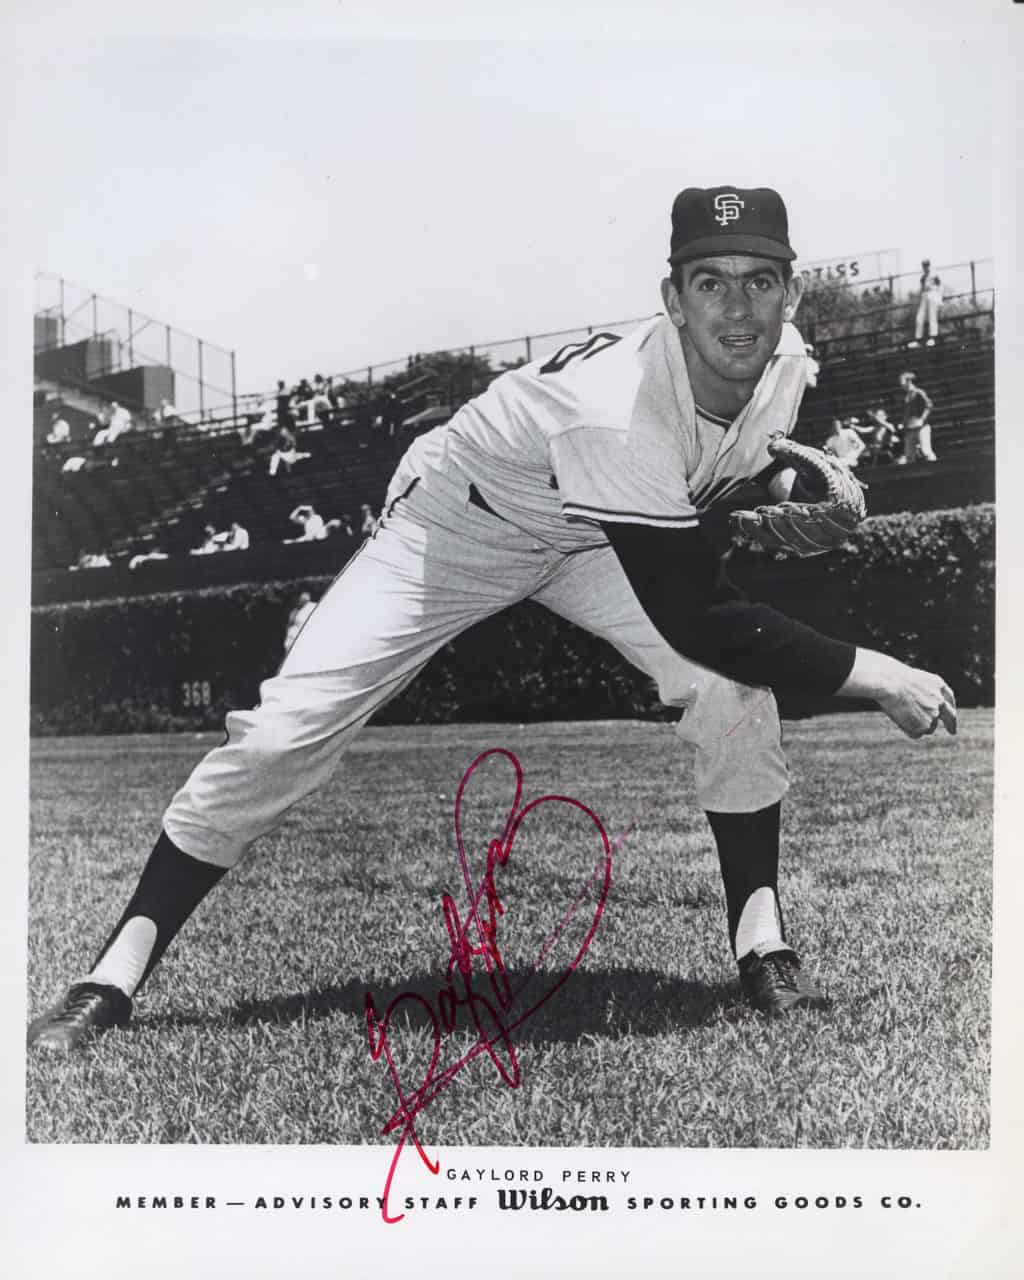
572 350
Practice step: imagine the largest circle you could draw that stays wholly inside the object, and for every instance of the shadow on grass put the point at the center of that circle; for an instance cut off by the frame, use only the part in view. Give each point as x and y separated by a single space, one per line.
623 1002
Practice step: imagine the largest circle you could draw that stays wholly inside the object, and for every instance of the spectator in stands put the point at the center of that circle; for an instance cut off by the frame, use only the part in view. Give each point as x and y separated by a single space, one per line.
300 611
339 404
91 560
813 367
345 525
120 422
265 419
60 430
389 414
310 522
287 451
318 406
844 442
167 414
368 523
210 544
302 394
392 413
882 436
236 538
927 306
917 431
283 406
141 557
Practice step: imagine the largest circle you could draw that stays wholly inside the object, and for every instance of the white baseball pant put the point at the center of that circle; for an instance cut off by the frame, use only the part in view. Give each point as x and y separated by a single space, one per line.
436 565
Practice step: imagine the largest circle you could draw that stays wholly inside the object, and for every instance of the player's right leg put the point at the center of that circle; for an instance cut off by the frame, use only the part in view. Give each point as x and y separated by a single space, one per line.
436 565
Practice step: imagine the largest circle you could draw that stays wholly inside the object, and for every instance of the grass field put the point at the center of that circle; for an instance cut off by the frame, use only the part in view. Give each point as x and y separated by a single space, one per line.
253 1029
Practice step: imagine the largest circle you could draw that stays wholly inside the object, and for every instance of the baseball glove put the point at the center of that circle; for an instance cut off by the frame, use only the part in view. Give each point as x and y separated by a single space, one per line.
833 509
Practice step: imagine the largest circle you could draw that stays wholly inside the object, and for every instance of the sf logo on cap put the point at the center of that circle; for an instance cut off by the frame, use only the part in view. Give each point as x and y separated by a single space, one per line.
728 206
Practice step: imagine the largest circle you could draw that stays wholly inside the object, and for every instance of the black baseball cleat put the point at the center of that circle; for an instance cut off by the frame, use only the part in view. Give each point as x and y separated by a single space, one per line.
87 1009
774 983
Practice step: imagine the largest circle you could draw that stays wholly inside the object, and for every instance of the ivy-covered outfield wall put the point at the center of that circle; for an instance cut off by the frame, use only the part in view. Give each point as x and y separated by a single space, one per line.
920 586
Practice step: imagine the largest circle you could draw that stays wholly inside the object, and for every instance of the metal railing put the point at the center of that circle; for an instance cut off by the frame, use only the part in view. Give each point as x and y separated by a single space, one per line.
972 279
963 316
833 313
203 371
362 385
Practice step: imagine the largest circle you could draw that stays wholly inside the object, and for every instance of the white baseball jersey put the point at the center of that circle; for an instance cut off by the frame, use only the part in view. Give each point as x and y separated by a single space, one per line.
604 430
607 430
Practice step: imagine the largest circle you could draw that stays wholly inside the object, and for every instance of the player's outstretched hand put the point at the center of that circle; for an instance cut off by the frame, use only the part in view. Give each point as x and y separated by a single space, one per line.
919 703
916 701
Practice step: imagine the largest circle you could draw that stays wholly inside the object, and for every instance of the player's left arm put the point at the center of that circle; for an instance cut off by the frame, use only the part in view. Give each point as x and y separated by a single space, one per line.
678 581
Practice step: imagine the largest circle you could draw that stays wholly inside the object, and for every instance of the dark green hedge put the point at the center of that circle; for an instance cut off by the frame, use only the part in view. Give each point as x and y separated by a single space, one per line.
920 586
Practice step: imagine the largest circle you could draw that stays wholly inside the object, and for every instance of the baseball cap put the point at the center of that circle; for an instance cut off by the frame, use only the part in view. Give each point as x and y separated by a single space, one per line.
717 220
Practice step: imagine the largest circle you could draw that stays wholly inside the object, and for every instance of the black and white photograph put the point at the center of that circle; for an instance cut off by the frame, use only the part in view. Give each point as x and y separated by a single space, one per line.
509 625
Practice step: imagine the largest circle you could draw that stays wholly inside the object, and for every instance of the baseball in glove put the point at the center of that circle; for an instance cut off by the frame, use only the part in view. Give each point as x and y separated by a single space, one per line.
833 509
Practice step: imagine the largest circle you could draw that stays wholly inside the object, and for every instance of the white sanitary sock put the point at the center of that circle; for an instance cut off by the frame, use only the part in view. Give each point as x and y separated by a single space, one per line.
124 962
759 924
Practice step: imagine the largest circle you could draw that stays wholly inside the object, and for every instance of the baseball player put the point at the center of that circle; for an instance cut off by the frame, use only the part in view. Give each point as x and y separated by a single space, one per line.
579 482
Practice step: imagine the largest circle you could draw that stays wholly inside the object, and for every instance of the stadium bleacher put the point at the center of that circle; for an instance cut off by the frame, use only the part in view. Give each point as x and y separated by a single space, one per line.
156 488
957 373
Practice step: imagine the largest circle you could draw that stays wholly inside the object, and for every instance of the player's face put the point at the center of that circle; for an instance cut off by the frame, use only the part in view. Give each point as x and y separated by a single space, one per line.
730 312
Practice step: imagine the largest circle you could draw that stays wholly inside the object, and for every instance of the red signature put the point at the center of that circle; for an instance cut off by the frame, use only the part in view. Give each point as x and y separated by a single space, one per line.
497 1015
